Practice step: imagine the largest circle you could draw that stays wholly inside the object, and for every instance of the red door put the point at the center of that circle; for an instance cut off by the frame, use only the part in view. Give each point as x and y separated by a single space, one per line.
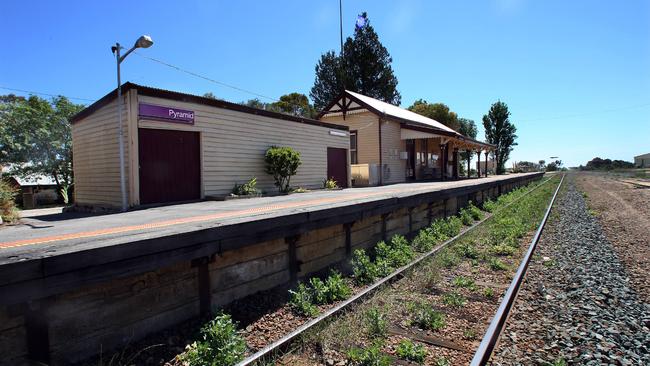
170 166
337 166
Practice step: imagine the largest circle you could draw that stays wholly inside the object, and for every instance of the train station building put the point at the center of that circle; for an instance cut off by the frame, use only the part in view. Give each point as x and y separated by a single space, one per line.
181 147
389 144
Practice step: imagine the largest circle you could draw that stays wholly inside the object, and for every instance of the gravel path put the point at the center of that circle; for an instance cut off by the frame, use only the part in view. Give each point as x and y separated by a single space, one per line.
576 304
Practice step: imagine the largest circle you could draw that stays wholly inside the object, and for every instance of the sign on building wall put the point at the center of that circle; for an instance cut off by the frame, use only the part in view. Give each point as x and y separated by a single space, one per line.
167 114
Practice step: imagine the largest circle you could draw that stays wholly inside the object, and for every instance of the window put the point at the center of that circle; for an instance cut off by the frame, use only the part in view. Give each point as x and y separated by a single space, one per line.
353 147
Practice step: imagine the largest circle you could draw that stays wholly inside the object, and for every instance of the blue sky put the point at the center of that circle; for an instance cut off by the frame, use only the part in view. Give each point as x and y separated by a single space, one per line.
575 74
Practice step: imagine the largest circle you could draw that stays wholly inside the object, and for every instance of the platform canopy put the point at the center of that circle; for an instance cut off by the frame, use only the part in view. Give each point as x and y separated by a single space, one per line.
414 126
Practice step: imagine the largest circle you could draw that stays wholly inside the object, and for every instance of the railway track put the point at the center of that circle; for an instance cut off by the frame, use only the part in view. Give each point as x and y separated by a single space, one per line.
473 300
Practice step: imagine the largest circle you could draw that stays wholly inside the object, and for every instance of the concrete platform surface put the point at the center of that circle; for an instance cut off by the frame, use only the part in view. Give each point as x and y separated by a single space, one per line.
48 235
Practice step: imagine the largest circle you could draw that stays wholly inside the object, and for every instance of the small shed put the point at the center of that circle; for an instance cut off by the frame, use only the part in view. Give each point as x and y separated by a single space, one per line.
642 161
33 190
182 147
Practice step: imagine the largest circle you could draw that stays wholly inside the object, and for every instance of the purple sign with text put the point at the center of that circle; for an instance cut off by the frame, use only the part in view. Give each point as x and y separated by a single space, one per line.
166 113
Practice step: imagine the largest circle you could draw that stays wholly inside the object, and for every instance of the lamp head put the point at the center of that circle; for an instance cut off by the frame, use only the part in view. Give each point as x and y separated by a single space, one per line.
144 42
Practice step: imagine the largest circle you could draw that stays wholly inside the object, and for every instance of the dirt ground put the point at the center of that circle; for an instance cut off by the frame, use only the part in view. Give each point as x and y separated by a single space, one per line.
624 213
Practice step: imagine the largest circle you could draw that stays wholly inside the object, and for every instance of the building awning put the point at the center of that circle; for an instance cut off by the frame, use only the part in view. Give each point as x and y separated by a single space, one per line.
406 134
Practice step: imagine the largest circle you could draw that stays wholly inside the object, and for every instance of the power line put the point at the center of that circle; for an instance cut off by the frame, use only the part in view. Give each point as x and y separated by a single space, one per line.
205 77
49 95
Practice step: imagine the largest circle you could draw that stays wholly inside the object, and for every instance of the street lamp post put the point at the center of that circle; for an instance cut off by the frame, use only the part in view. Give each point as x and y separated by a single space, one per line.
142 42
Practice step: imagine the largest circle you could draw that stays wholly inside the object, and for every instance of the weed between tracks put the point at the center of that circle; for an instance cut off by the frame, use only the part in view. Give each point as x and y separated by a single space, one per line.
449 297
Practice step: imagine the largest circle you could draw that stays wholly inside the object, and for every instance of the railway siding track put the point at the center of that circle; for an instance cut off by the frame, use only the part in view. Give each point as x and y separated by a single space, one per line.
465 304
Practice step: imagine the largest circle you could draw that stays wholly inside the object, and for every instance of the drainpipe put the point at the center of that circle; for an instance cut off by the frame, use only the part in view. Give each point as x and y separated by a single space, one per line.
381 165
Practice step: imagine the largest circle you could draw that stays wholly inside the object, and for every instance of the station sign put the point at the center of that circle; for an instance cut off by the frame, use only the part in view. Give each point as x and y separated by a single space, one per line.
168 114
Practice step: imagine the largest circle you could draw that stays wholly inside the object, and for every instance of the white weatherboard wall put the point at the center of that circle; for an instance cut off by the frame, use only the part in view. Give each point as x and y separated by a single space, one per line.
96 159
233 145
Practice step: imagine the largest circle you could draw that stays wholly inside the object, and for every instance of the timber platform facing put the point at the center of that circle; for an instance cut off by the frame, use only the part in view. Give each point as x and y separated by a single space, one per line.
91 283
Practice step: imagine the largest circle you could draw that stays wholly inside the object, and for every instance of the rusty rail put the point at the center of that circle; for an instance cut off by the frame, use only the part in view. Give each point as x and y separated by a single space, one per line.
491 337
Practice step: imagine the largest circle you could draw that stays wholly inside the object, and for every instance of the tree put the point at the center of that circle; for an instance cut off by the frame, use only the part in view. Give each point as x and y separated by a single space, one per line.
295 104
364 67
500 132
329 80
282 163
35 137
542 164
467 128
437 111
209 95
254 103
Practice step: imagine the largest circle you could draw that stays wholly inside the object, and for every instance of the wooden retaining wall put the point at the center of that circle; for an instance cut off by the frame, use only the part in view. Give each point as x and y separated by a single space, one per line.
100 317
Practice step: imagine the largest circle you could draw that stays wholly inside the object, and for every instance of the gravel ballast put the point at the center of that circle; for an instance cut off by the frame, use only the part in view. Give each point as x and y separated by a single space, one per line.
576 305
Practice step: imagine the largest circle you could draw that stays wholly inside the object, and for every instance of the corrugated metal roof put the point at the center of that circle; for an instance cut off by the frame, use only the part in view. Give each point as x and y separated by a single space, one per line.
29 180
397 112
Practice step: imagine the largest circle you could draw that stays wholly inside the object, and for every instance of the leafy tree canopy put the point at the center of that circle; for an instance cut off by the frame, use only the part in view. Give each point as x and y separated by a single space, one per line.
467 127
35 136
501 132
438 111
295 104
607 164
365 67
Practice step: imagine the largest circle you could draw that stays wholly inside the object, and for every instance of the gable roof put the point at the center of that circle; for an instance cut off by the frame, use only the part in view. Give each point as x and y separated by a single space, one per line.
400 113
190 98
408 118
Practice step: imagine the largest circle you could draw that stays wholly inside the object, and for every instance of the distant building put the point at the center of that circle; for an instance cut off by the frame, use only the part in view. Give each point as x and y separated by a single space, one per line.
642 161
33 190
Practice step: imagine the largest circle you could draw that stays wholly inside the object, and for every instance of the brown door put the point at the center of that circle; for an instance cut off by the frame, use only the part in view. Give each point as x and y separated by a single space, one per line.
337 166
170 166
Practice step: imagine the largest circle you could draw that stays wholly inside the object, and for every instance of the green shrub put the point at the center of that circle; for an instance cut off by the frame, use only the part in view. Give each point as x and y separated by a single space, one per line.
369 356
474 211
247 189
407 350
376 322
448 259
488 292
424 241
464 282
301 301
503 250
282 163
467 250
7 205
330 184
363 269
453 299
220 344
336 287
496 264
424 317
466 217
490 206
439 231
452 226
442 361
396 253
318 291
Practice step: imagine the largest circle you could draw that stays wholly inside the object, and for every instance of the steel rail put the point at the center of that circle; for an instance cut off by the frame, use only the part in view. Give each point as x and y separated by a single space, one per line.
491 337
268 350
